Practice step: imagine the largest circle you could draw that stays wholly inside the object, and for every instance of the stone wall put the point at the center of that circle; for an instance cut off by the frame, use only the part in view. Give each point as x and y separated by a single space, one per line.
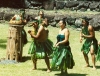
82 5
54 14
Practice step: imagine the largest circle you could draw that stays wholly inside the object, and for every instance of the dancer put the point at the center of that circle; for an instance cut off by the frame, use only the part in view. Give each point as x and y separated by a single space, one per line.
90 42
41 47
40 16
62 57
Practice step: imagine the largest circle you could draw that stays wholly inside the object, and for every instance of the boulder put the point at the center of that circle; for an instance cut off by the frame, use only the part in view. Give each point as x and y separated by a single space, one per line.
81 5
95 22
8 16
60 4
87 3
70 4
48 5
94 5
1 15
78 22
59 17
71 21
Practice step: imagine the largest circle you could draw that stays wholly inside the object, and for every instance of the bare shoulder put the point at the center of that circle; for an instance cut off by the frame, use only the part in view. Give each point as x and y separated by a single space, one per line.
90 27
41 28
66 30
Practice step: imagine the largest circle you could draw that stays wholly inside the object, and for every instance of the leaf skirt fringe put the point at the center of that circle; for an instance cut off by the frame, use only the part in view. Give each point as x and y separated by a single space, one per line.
62 58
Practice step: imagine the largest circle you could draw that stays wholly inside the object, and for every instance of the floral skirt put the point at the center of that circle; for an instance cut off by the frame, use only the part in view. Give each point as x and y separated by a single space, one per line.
62 58
41 49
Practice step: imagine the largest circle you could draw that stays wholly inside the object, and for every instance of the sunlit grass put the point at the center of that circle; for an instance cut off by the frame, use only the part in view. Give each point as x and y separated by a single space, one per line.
24 68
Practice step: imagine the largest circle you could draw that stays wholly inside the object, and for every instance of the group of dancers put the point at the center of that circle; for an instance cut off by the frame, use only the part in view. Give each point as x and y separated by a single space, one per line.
62 57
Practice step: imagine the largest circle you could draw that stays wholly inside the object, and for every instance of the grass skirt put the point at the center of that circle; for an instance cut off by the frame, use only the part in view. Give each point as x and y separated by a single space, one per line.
41 49
62 58
86 46
98 54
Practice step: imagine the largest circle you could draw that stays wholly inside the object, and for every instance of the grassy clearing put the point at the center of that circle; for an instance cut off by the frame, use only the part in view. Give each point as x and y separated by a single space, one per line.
24 68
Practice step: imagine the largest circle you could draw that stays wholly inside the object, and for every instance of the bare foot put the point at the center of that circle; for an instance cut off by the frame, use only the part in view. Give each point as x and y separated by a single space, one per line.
34 68
48 71
86 66
94 68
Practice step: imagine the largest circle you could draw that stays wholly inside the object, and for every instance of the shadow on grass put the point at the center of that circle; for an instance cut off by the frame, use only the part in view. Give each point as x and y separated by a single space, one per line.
59 74
25 58
3 41
2 45
76 74
98 67
72 74
43 69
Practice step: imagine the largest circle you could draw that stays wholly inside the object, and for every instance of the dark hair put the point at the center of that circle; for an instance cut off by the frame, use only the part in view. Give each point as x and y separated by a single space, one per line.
86 20
63 21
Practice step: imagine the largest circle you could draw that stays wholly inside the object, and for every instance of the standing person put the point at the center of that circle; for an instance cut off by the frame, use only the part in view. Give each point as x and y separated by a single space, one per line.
41 47
63 57
90 42
32 49
40 16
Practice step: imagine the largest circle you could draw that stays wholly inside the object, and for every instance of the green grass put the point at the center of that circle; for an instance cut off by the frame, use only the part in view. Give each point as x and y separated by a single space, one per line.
24 68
